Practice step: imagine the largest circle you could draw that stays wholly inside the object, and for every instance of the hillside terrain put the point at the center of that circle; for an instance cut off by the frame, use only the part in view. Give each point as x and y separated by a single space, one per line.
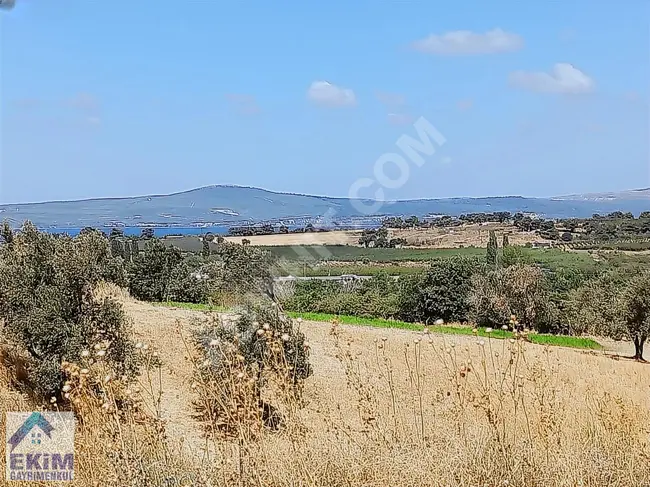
578 386
230 205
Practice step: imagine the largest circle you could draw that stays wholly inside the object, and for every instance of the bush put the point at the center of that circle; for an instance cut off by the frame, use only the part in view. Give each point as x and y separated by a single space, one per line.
516 290
594 308
48 306
308 296
152 269
440 292
370 298
513 255
244 270
262 354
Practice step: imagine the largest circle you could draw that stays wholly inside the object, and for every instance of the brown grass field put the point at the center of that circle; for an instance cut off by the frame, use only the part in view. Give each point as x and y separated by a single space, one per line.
466 235
383 408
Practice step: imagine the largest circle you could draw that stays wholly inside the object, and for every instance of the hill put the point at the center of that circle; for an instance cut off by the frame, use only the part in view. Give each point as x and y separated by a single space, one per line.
231 205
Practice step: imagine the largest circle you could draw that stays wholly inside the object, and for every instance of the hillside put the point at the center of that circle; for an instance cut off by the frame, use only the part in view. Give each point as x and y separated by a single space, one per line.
229 205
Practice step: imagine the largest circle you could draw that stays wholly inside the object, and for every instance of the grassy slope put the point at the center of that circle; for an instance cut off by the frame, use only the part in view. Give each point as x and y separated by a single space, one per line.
556 340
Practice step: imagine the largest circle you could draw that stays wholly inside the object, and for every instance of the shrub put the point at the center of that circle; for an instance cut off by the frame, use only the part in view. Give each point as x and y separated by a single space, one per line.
188 284
263 351
442 291
309 295
594 308
244 270
48 306
152 270
513 255
516 290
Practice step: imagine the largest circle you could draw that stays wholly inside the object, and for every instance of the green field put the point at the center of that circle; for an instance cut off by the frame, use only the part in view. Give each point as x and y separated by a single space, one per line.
540 339
349 253
364 261
312 260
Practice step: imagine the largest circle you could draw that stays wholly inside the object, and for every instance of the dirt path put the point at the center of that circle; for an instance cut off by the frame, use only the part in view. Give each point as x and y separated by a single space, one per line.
160 328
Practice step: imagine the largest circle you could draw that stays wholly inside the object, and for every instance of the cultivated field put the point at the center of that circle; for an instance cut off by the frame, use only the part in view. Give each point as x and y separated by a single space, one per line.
393 408
464 236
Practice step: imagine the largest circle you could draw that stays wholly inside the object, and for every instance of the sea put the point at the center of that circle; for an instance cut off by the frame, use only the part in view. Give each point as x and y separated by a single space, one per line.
137 231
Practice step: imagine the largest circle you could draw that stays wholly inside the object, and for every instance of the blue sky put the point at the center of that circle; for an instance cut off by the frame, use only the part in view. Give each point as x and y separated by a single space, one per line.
129 98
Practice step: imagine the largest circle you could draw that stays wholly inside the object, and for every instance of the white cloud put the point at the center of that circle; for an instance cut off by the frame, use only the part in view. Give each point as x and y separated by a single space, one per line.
465 42
564 78
325 93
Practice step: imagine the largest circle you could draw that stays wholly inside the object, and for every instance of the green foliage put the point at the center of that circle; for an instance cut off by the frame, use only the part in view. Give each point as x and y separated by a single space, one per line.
594 307
635 309
491 254
151 271
205 251
48 306
512 255
506 241
147 233
442 291
243 270
372 297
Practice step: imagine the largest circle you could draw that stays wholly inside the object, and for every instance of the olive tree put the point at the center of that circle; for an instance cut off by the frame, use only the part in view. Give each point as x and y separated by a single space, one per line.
48 308
635 309
515 290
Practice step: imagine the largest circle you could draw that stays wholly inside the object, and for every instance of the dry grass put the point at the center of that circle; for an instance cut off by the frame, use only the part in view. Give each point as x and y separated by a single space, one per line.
447 238
384 408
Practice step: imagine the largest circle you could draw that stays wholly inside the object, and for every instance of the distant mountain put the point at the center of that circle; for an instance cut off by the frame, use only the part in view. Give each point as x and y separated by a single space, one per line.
235 205
632 194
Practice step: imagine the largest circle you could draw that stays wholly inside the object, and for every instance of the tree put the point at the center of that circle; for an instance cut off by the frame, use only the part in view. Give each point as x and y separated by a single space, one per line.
117 248
636 311
377 238
151 271
147 233
595 307
135 248
412 221
116 233
205 251
516 290
506 242
245 269
127 251
245 241
49 309
441 292
492 250
566 236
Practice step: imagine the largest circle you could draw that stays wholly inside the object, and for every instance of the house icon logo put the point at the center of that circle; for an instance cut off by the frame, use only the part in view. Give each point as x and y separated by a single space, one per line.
40 446
35 420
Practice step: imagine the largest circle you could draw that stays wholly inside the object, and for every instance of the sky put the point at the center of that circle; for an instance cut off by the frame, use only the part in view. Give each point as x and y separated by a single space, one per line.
112 99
